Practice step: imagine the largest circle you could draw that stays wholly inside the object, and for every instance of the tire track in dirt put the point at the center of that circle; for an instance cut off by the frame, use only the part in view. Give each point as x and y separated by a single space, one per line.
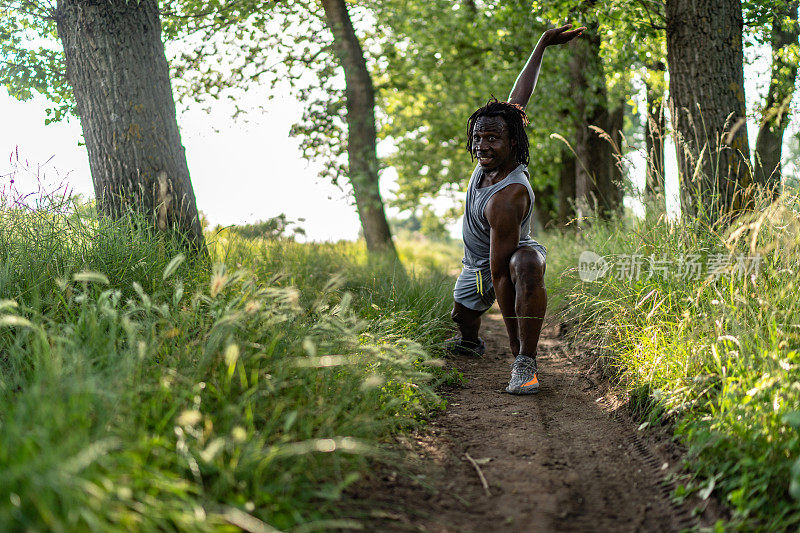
559 460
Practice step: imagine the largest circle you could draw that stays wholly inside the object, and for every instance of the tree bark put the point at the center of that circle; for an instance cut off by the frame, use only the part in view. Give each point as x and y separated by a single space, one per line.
704 55
361 135
116 66
775 116
655 191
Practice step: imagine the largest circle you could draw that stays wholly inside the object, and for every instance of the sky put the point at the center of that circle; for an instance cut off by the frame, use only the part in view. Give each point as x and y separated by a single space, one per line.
248 170
242 171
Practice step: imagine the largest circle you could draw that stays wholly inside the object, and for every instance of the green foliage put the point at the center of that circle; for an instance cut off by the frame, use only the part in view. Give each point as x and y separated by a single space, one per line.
758 15
426 86
426 225
271 228
224 49
229 49
139 391
30 60
716 356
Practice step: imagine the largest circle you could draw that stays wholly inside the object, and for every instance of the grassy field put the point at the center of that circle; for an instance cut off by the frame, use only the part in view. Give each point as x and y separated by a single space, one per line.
712 349
141 391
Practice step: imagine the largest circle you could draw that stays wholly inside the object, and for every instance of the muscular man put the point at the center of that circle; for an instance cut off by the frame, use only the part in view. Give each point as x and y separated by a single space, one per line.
500 258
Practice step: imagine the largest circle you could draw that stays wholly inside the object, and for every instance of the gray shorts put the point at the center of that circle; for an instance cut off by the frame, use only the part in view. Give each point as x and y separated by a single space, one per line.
474 289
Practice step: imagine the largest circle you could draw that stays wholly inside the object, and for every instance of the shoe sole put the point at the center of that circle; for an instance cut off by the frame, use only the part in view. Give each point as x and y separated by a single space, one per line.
522 392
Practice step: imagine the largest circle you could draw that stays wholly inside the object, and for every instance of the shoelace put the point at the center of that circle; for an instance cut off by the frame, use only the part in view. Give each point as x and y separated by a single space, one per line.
523 365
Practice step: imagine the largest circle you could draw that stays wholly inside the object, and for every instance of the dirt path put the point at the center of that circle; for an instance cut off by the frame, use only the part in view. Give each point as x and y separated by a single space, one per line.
560 460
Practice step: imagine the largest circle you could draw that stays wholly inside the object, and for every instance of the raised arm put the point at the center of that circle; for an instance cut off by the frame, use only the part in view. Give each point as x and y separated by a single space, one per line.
526 81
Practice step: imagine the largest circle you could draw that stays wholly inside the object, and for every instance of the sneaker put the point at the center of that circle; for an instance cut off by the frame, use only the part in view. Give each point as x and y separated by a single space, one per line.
524 377
458 346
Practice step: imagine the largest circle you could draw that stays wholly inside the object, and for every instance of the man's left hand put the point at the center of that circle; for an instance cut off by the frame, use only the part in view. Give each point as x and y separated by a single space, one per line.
562 35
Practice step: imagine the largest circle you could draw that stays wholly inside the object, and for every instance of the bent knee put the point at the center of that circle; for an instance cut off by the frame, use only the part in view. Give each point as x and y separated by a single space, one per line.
527 267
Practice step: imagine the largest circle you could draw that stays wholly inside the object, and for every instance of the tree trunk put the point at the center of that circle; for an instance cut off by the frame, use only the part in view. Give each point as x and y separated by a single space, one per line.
655 191
545 207
704 55
116 66
584 180
595 188
566 189
776 110
361 136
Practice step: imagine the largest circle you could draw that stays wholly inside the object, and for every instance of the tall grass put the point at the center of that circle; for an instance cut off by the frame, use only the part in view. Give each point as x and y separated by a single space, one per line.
412 299
717 355
141 391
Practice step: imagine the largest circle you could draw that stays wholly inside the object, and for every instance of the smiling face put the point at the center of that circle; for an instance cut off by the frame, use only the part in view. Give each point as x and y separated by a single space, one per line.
491 143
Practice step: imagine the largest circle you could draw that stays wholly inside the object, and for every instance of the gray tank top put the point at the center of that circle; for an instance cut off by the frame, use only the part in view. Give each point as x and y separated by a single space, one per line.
475 229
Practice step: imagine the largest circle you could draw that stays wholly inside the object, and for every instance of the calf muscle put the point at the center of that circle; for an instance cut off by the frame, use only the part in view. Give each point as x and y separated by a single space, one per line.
530 301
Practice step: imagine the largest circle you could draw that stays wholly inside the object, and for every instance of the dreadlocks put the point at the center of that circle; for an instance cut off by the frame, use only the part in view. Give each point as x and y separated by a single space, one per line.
516 120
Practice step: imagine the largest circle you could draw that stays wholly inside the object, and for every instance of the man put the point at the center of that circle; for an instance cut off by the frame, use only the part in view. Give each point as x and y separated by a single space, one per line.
500 258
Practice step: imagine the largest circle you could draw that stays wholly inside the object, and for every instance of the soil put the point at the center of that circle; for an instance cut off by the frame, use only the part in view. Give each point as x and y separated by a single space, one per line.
568 458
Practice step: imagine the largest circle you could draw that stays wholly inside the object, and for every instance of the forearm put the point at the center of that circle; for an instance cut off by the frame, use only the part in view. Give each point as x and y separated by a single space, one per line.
504 291
526 81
